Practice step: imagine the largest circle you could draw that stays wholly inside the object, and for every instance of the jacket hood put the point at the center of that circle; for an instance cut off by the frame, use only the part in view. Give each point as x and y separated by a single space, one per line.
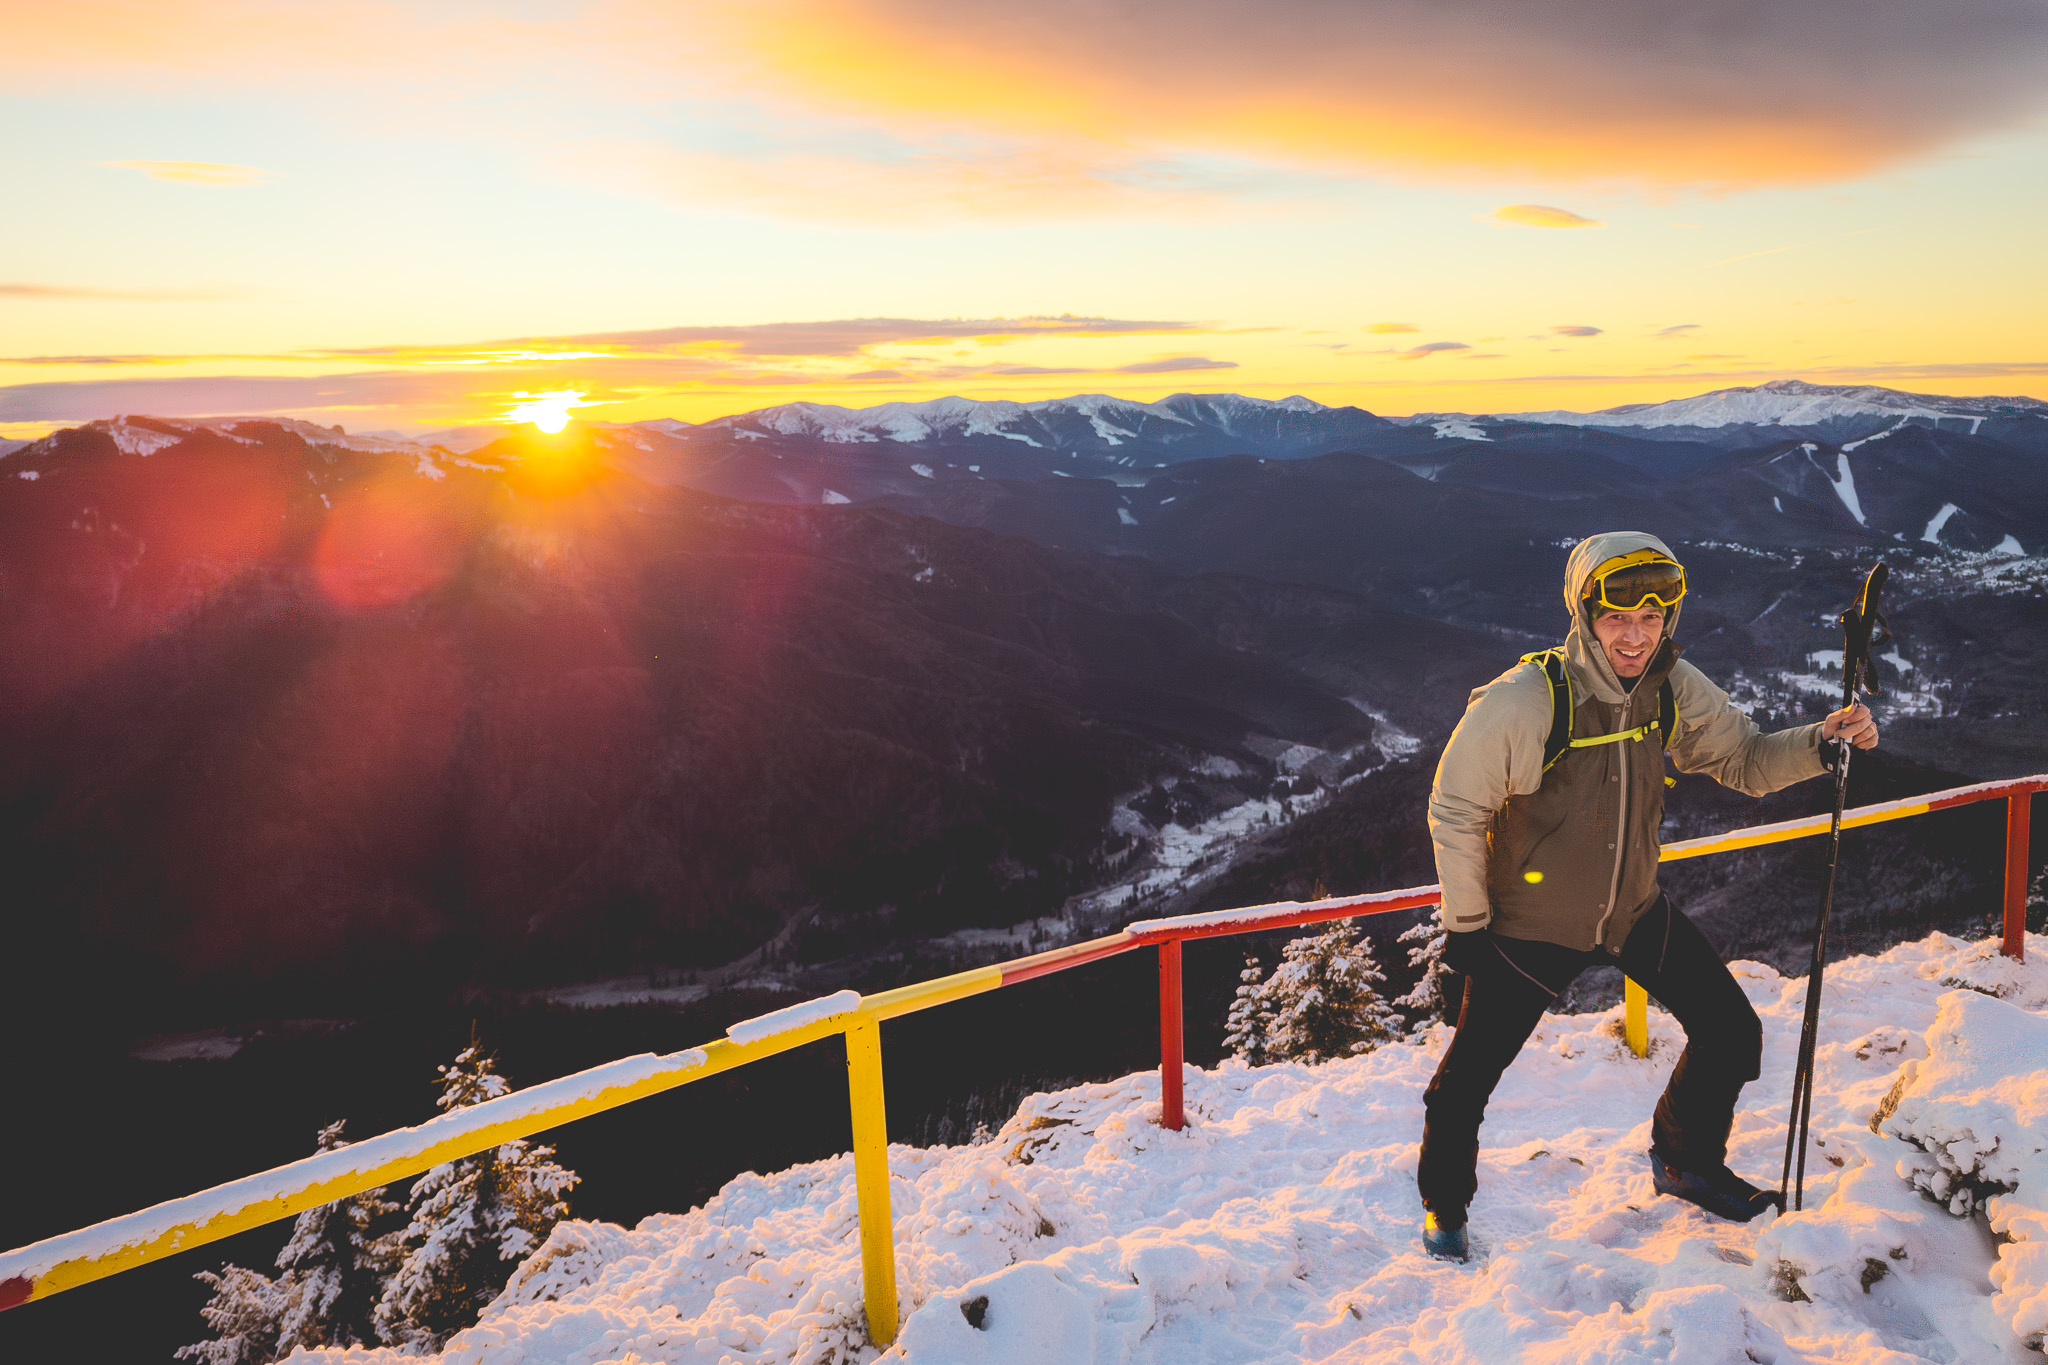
1581 650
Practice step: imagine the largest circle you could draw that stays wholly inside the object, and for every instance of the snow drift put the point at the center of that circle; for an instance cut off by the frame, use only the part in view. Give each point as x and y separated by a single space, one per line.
1282 1224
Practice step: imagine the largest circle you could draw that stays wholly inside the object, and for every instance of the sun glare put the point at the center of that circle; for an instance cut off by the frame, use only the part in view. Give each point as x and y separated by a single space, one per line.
548 411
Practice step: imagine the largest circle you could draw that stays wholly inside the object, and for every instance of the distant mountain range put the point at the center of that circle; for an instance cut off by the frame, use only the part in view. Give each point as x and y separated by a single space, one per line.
278 697
904 454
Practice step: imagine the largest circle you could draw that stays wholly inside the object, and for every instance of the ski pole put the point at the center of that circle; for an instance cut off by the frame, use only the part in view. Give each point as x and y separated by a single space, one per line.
1857 624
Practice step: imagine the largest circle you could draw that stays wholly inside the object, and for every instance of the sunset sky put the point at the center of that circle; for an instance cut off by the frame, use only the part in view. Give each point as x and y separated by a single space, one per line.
408 215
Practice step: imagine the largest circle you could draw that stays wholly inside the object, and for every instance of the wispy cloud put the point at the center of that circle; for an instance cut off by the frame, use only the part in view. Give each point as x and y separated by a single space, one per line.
921 177
1430 348
1392 328
1175 364
60 293
443 384
1537 216
1796 246
1677 329
840 337
214 173
1578 329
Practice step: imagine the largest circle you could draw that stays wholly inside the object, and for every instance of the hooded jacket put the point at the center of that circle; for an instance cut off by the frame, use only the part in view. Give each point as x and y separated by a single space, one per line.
1570 856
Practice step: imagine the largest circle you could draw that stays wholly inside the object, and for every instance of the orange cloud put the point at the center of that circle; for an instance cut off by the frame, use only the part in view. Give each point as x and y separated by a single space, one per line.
1715 91
1538 216
69 293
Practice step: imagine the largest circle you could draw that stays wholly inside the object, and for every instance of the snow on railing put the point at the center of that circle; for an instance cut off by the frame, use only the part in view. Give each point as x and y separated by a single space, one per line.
120 1243
107 1248
794 1017
1281 915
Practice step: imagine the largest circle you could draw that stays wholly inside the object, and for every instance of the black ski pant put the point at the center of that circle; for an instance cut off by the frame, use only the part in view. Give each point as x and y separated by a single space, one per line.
1504 1000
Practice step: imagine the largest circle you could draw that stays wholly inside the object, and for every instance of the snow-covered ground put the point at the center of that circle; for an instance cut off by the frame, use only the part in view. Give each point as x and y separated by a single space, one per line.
1281 1225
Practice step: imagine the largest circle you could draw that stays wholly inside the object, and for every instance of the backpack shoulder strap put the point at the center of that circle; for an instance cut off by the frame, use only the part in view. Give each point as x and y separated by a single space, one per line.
1562 704
1667 712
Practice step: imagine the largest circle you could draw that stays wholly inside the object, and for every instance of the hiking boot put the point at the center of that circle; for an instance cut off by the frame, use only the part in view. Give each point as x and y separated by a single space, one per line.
1444 1239
1719 1191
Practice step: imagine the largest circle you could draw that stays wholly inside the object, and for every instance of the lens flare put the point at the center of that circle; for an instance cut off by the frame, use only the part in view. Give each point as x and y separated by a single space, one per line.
548 411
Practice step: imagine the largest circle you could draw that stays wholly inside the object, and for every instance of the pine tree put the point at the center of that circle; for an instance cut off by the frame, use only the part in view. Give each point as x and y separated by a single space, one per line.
244 1313
333 1270
1251 1017
340 1264
1321 1002
1427 999
473 1220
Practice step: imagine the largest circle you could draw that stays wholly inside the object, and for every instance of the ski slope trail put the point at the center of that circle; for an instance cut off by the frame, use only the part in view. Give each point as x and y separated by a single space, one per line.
1282 1224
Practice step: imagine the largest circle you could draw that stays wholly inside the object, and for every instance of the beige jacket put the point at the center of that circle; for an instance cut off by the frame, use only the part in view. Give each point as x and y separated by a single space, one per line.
1570 857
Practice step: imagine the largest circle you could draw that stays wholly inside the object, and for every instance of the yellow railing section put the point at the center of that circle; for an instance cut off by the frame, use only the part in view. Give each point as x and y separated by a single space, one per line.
65 1262
71 1259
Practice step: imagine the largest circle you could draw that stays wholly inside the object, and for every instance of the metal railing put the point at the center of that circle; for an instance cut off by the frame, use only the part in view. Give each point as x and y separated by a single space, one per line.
71 1259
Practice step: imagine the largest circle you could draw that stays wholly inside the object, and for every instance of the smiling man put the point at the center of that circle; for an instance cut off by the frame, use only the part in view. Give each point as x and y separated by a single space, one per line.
1545 815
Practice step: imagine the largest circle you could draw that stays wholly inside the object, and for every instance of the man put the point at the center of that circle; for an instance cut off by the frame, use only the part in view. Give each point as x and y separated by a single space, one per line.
1545 817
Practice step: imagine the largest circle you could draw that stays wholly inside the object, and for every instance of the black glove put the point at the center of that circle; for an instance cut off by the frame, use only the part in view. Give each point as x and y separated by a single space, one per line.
1467 952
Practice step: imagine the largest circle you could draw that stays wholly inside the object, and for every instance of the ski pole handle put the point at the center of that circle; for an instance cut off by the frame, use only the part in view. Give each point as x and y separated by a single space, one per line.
1859 622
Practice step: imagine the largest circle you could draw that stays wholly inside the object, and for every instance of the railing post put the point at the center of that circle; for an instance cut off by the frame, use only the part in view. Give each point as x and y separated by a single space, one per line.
2019 811
871 1177
1171 1051
1635 1016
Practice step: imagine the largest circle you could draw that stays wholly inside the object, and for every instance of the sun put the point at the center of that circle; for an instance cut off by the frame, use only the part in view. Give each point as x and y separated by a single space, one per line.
548 411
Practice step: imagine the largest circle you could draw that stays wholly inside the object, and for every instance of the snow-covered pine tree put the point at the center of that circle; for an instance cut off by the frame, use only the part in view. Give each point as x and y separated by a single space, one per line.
1427 998
334 1271
244 1313
339 1263
1321 1002
1250 1019
473 1219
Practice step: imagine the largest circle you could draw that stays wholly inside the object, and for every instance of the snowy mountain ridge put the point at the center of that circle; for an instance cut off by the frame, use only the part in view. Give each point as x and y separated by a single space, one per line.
1109 419
1275 427
1784 402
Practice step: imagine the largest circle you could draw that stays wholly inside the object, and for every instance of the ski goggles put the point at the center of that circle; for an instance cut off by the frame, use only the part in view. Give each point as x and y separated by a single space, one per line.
1632 582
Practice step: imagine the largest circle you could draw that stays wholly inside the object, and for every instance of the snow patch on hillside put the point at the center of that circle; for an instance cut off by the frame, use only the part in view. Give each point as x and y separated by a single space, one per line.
1932 535
1281 1225
1391 740
131 438
1459 429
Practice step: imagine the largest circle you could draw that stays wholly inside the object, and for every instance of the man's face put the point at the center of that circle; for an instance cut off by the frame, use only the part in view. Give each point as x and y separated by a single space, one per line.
1630 638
